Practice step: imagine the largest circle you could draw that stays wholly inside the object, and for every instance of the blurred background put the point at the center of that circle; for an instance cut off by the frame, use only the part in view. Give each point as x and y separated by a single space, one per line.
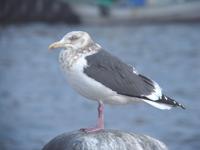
161 38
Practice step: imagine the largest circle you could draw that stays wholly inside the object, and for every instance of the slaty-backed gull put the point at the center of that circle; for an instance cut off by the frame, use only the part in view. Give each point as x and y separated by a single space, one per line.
102 77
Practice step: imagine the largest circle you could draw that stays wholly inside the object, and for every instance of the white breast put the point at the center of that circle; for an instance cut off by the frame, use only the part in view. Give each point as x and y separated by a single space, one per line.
89 87
85 85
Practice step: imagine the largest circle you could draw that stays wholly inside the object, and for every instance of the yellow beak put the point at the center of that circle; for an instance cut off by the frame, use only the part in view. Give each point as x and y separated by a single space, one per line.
57 44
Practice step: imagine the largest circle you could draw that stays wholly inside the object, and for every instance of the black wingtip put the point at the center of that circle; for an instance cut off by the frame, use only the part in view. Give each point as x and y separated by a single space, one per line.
183 107
170 101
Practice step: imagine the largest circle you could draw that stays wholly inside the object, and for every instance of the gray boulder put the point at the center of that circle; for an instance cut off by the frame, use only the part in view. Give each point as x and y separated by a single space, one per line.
104 140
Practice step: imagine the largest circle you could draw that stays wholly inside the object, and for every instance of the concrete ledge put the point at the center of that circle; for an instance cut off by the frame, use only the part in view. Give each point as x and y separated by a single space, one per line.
104 140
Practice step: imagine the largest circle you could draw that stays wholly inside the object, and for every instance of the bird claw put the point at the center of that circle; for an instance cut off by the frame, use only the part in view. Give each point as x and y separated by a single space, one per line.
90 130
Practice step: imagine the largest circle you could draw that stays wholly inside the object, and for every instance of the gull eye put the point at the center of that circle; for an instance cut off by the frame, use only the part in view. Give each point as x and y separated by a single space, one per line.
73 38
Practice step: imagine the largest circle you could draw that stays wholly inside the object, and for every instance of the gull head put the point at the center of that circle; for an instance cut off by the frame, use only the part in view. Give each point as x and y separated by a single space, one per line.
73 41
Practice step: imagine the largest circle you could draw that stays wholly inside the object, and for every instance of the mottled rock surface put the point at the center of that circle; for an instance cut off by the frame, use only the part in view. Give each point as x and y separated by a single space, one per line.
104 140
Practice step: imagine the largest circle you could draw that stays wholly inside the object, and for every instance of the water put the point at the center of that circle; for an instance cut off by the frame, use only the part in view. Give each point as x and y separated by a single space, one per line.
36 104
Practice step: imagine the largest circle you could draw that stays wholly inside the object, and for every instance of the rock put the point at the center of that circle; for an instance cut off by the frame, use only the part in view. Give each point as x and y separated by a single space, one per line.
104 140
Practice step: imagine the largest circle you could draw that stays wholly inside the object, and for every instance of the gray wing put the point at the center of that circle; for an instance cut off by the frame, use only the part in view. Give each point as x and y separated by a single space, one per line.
116 75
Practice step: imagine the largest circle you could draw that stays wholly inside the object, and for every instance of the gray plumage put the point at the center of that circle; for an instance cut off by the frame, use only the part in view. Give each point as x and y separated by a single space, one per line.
116 75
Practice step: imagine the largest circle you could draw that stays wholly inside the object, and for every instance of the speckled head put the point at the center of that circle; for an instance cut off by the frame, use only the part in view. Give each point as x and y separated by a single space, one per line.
73 40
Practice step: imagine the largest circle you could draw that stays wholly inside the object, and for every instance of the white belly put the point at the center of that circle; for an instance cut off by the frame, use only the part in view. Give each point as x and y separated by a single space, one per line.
90 88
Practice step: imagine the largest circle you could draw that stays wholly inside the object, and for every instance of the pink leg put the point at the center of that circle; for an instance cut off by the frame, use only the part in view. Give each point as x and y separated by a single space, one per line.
100 122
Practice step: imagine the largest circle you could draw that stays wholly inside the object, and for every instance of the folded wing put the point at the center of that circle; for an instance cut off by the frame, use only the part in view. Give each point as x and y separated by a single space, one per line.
120 77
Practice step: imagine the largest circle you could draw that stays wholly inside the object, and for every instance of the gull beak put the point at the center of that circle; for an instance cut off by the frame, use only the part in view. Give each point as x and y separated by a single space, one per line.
57 44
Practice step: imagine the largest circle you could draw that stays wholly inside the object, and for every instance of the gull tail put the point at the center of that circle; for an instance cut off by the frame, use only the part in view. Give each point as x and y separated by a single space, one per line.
164 103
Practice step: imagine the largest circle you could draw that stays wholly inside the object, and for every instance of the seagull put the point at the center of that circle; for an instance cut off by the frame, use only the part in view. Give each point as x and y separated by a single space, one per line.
99 76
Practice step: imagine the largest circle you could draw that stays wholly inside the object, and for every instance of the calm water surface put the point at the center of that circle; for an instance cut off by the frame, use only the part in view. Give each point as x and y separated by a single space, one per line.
36 104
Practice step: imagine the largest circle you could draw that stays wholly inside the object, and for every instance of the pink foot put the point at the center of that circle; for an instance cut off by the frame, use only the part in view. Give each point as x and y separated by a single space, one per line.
100 123
90 130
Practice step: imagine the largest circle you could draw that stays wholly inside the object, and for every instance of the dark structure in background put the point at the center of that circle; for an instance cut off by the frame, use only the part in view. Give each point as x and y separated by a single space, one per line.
98 11
19 11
